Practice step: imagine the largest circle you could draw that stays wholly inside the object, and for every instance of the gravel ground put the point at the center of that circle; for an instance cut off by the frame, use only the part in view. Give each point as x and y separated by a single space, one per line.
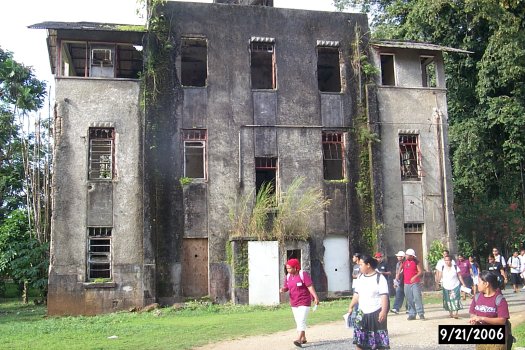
404 334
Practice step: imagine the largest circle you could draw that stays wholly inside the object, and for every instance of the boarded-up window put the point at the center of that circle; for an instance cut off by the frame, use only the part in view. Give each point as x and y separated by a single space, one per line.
194 153
194 62
410 157
263 63
101 153
388 76
99 253
333 155
428 71
328 69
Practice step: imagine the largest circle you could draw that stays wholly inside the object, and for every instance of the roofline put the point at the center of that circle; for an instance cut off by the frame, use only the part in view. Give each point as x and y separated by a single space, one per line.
399 44
95 26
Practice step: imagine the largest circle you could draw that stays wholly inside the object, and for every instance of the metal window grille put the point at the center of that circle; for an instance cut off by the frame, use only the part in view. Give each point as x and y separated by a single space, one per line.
410 157
414 228
101 153
333 155
265 163
194 135
99 252
262 47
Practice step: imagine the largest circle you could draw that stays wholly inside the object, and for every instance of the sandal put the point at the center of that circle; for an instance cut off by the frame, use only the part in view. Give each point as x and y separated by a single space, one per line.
297 343
303 341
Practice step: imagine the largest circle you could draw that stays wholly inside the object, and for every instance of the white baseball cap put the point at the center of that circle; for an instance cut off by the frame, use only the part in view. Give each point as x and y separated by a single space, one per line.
411 251
400 253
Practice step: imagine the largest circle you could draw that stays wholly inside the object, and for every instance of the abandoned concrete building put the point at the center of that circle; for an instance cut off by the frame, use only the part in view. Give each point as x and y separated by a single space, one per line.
145 174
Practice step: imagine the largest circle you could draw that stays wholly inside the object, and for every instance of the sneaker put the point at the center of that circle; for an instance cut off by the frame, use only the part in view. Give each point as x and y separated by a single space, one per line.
410 318
421 317
394 311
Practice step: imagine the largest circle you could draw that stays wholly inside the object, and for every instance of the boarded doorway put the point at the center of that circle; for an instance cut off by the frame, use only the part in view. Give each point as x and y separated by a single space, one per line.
195 267
263 280
337 264
414 238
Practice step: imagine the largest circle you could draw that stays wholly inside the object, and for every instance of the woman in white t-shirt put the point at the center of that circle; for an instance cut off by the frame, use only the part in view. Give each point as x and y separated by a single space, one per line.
370 325
452 282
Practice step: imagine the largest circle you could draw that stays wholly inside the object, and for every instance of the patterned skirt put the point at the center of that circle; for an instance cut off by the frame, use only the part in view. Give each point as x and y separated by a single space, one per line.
369 333
452 299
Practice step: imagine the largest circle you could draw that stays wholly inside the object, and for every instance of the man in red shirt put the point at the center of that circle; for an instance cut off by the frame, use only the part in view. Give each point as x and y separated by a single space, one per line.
412 272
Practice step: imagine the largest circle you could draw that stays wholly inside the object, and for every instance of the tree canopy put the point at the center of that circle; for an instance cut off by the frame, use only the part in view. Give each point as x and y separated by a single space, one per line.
486 104
24 176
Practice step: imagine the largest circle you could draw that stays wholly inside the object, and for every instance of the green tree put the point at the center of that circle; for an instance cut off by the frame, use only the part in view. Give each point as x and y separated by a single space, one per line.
486 93
24 175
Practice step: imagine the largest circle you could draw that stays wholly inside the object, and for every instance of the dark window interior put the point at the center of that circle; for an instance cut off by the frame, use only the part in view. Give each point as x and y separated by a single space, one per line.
194 62
265 172
333 165
262 65
387 70
328 69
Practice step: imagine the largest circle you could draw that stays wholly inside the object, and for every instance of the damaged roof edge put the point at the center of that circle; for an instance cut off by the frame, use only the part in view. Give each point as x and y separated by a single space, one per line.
415 45
90 26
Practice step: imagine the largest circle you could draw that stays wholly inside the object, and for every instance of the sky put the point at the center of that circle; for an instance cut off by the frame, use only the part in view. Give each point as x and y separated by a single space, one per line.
29 45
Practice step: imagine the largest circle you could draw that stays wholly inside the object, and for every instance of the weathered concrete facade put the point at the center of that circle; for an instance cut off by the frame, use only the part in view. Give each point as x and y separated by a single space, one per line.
241 95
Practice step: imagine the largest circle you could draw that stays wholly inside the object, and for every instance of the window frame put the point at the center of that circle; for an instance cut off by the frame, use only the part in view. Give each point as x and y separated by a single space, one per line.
91 153
97 234
273 69
426 62
319 52
327 138
198 137
187 40
407 169
383 70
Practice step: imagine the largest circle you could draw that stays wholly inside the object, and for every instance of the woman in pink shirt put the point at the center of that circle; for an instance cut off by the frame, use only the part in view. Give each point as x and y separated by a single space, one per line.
302 291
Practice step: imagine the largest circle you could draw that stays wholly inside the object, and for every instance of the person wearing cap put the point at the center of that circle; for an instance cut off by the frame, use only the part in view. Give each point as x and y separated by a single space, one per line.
301 289
398 283
412 271
382 268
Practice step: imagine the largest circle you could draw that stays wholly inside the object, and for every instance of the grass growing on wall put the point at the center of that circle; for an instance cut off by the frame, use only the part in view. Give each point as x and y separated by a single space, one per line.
285 217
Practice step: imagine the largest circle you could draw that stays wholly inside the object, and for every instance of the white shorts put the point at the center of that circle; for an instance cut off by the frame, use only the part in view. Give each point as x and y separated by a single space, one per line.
475 280
299 314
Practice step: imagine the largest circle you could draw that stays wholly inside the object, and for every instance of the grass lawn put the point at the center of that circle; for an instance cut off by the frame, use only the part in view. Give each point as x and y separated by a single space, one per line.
28 327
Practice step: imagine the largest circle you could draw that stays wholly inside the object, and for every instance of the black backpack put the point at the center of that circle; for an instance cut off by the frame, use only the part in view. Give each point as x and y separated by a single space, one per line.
508 326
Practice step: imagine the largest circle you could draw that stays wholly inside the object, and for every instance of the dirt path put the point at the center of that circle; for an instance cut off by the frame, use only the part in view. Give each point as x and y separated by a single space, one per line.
403 333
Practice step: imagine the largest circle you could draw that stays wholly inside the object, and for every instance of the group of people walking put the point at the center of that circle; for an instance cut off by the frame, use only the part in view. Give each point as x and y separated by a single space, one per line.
369 307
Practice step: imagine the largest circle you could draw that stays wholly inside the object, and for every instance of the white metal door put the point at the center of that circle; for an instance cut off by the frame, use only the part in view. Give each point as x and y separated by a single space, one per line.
337 263
263 278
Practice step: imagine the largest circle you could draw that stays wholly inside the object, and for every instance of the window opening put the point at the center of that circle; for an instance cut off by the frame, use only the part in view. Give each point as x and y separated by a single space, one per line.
413 228
428 70
333 155
263 65
108 60
101 155
388 76
292 254
410 157
194 62
194 153
328 69
99 252
265 173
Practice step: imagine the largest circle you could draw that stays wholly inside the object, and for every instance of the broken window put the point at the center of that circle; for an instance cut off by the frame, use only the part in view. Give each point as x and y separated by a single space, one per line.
428 71
194 153
333 155
101 60
101 146
263 63
388 76
328 69
99 253
194 62
265 173
410 157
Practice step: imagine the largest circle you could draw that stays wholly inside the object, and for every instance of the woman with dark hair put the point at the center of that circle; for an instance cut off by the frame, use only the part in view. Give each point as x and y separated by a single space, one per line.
302 292
370 326
489 306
